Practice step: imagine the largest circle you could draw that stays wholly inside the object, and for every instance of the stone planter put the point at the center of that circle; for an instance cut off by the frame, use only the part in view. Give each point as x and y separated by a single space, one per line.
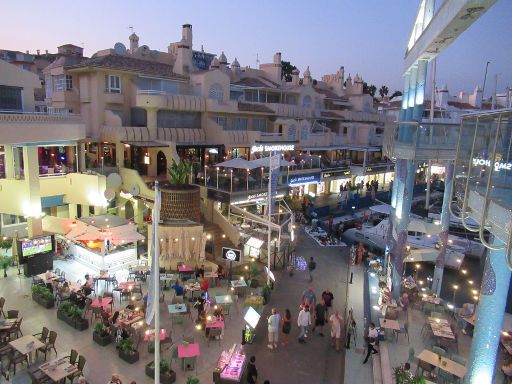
44 302
165 378
102 340
79 324
129 357
181 203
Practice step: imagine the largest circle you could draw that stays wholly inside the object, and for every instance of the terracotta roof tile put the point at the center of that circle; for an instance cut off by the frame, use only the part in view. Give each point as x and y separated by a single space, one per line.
129 64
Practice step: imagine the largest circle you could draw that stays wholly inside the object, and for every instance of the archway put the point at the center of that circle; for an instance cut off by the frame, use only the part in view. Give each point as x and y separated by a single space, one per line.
161 163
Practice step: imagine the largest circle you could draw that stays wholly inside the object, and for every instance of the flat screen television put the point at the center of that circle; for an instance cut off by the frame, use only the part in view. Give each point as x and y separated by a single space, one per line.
37 245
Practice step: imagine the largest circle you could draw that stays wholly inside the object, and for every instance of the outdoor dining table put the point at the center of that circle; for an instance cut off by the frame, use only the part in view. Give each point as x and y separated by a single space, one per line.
441 328
48 277
58 369
214 323
193 288
431 299
105 302
389 324
176 308
224 299
166 277
188 354
127 318
238 286
443 363
150 334
26 345
126 285
140 268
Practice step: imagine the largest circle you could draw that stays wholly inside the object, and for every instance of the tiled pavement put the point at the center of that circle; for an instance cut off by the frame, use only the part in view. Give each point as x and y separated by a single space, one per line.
315 362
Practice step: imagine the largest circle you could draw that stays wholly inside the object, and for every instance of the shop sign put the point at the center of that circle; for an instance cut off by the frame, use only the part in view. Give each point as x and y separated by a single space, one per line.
379 168
304 179
336 174
272 147
231 254
498 165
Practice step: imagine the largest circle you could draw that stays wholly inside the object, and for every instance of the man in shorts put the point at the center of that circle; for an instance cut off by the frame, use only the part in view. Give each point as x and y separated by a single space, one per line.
273 328
320 313
335 321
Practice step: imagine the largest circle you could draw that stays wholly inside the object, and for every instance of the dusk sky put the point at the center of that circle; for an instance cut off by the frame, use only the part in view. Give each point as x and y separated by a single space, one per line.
366 36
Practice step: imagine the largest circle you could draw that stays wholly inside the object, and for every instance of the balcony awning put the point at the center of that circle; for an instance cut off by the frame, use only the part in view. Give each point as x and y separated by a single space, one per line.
353 147
147 144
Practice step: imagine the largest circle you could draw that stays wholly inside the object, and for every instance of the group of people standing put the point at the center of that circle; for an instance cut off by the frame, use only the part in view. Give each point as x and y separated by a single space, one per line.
305 322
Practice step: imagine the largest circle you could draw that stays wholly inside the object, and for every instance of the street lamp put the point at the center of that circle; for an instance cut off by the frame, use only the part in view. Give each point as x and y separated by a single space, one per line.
455 287
247 179
217 177
205 170
231 181
261 184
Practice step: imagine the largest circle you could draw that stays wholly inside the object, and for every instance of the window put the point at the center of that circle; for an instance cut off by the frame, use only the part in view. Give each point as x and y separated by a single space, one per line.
62 83
172 119
259 125
239 124
48 84
345 130
216 92
10 98
112 84
221 120
306 101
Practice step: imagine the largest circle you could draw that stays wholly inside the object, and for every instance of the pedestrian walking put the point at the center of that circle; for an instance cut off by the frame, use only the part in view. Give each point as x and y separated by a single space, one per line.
303 322
287 326
309 297
373 337
252 372
335 321
311 268
273 329
351 331
328 298
320 314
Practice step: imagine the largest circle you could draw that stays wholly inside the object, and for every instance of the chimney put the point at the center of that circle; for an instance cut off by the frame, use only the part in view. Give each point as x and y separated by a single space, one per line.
38 52
295 77
27 52
186 33
183 63
134 42
46 51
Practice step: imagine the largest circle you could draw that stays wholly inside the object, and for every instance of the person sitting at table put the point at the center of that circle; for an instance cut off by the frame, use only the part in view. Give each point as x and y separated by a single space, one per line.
199 305
178 288
403 302
220 272
115 379
200 271
218 312
89 281
204 284
466 311
387 296
65 291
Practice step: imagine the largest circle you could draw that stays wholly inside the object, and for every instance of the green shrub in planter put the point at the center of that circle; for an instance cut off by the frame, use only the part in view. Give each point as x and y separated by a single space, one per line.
127 351
404 377
72 315
101 335
43 296
266 292
193 380
167 375
4 263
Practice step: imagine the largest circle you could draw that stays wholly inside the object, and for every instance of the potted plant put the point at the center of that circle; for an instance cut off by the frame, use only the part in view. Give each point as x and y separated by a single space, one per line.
167 375
101 335
127 351
254 273
4 263
192 380
179 173
405 377
72 315
266 292
43 296
5 244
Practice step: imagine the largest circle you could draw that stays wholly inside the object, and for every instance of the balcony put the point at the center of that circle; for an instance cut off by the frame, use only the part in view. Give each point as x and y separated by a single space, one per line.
163 100
31 127
114 98
64 97
425 141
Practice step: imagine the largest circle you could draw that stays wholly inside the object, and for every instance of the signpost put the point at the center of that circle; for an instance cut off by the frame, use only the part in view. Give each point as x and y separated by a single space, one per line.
231 255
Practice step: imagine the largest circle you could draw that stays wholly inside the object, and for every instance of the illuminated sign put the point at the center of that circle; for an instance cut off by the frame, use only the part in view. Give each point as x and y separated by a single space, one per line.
333 174
272 147
257 196
487 163
304 179
231 254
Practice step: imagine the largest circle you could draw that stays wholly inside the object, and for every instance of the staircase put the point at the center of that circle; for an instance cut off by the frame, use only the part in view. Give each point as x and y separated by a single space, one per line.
217 240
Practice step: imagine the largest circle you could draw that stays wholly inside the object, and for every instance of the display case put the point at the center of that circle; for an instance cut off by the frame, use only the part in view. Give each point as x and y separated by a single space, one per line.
230 366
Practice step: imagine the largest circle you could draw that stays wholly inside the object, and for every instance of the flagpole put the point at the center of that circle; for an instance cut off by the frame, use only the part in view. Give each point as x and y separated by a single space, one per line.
156 281
269 211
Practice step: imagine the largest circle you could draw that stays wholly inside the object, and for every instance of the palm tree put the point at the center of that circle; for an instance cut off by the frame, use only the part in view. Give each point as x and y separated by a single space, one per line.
179 172
383 91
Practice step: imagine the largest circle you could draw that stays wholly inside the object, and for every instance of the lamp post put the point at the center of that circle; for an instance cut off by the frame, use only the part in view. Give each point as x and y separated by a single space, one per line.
231 180
247 179
455 287
288 175
217 177
319 161
102 164
205 170
261 186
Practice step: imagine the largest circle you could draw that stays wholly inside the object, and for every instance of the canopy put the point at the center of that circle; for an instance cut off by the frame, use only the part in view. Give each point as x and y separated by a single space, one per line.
424 227
238 162
453 258
123 234
265 162
382 208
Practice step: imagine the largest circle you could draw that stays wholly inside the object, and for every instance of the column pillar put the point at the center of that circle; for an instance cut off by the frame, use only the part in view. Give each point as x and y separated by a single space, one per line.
411 97
73 210
120 155
421 78
151 121
31 170
445 226
489 317
405 97
9 162
152 166
139 213
81 157
402 196
85 210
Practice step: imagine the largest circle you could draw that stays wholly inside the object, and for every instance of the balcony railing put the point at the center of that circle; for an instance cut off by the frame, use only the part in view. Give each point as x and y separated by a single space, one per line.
40 117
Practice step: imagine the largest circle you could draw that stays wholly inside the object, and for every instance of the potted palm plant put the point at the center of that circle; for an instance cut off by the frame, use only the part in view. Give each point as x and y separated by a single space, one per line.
167 375
403 376
127 351
71 314
101 335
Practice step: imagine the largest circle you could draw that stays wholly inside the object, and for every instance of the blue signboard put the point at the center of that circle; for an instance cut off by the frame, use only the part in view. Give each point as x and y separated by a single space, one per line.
304 179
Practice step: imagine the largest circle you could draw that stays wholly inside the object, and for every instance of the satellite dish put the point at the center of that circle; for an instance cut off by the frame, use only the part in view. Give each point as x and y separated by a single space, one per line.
135 190
114 180
119 48
109 194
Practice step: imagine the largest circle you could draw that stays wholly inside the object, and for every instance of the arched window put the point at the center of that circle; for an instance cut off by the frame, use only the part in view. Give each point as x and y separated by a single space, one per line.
216 92
306 101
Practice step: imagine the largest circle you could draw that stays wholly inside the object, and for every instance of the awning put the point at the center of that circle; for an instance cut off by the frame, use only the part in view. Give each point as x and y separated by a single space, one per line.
239 163
148 144
453 258
265 162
